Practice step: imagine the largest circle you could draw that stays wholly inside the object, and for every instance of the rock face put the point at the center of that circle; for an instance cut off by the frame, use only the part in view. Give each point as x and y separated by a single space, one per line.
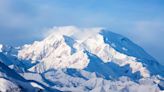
88 59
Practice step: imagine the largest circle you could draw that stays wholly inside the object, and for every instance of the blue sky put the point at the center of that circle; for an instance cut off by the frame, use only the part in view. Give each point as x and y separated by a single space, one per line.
23 21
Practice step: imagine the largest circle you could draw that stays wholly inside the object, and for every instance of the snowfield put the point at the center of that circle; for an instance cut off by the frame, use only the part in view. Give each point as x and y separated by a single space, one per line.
83 60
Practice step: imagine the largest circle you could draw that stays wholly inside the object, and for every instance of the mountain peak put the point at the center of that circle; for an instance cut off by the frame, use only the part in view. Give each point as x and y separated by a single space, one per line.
72 31
87 59
66 47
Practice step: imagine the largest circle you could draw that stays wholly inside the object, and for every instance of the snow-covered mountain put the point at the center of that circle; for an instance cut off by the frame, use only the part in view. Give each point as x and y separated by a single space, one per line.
10 81
85 60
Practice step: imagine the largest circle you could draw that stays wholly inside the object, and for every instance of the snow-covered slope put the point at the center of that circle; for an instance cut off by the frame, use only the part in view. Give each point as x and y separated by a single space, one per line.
8 56
10 81
86 60
65 48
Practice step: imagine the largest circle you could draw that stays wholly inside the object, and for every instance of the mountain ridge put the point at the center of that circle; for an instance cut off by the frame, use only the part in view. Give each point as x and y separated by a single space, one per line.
87 60
96 44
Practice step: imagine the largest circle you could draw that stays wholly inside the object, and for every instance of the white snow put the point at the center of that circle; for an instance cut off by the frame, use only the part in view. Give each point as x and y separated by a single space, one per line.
83 60
8 86
54 51
1 46
36 85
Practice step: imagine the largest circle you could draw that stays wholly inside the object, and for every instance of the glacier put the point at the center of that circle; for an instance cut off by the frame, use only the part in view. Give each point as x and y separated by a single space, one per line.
84 60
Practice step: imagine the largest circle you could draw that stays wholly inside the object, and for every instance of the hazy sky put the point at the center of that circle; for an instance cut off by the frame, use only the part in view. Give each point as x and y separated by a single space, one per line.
23 21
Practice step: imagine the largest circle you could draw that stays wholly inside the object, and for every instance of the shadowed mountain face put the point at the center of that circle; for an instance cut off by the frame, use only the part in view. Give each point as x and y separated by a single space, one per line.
92 59
124 45
13 82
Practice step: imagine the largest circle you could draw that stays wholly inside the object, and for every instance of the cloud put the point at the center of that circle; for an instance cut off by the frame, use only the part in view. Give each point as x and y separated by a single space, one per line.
76 32
23 21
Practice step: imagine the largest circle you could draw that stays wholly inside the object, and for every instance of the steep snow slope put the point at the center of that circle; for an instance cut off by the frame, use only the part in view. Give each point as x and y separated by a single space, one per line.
13 82
8 56
64 48
86 60
10 80
124 45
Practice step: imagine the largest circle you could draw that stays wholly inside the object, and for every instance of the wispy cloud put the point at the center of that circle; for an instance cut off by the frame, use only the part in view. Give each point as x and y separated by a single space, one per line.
23 21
